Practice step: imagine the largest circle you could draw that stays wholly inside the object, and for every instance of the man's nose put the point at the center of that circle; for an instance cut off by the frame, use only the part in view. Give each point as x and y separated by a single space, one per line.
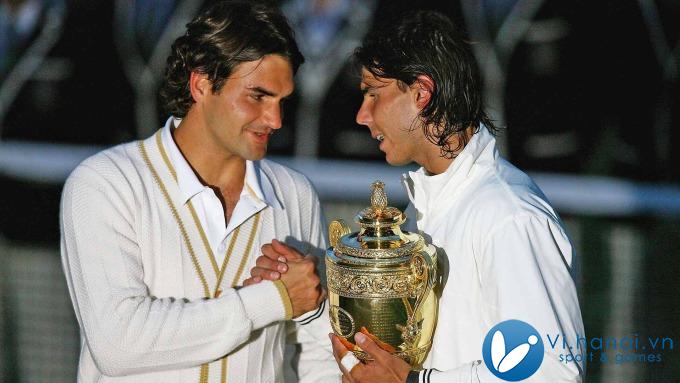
364 115
273 117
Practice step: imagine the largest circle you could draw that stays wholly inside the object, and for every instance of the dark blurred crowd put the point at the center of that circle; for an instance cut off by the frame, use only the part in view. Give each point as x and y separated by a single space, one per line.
588 87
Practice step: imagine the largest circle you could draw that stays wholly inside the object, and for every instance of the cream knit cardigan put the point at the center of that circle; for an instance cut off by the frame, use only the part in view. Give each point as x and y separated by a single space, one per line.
132 254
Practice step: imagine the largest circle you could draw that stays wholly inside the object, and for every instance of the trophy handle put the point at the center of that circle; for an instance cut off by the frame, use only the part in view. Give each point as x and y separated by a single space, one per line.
424 267
336 230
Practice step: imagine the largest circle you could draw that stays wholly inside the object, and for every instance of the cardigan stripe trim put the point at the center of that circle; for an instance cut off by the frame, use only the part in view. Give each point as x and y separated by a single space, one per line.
203 376
175 214
173 172
218 271
285 298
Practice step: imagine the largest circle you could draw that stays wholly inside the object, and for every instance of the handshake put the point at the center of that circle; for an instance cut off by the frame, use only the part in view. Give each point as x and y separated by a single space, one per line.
295 270
298 274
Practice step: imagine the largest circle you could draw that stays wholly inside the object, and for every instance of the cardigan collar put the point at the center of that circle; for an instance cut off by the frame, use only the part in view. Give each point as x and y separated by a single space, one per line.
256 185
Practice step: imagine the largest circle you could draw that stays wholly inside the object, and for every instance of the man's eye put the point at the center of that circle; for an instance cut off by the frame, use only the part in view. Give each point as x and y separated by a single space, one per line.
257 97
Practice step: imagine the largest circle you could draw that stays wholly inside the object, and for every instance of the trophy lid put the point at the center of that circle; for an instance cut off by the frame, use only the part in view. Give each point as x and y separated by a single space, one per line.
379 214
380 236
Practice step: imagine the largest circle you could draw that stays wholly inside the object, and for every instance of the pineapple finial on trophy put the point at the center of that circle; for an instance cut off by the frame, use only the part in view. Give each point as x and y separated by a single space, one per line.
378 196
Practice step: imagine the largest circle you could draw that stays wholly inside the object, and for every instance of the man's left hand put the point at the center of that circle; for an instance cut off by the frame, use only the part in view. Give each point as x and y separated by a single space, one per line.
273 262
385 367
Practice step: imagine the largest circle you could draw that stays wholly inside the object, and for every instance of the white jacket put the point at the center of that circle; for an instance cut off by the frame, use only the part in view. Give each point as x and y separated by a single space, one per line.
503 255
130 251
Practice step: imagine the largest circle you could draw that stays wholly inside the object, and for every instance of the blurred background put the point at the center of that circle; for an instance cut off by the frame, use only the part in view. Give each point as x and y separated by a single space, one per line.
587 93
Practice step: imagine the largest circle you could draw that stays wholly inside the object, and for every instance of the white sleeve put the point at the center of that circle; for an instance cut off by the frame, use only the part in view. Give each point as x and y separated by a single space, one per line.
127 330
314 361
524 272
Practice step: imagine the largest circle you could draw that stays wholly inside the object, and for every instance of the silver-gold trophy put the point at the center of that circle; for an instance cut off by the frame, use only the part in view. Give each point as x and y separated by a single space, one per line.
381 282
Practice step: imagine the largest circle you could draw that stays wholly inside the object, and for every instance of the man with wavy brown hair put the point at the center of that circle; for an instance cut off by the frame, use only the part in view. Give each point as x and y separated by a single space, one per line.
158 235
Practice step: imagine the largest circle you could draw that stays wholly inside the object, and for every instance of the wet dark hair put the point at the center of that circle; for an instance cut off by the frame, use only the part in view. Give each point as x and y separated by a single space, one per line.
427 43
223 36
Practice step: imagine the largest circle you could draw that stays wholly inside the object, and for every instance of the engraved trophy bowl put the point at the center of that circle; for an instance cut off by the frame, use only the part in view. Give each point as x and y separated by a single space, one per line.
381 280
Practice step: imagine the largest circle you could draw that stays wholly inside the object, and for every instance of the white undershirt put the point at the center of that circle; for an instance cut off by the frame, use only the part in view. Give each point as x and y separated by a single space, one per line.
206 203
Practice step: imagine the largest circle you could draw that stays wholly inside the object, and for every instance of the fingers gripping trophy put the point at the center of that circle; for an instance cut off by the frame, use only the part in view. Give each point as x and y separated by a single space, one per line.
381 282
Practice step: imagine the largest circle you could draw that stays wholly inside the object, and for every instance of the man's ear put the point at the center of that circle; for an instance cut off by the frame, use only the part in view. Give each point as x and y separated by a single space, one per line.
199 85
422 89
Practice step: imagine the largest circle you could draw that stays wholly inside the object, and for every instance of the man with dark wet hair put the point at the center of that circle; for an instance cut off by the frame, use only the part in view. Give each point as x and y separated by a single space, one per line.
502 248
503 253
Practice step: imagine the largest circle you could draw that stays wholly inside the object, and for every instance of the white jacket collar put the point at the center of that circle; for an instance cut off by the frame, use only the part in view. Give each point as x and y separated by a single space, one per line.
426 190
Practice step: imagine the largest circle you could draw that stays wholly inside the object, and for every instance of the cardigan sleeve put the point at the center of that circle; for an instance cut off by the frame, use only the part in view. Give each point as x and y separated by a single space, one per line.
127 330
524 273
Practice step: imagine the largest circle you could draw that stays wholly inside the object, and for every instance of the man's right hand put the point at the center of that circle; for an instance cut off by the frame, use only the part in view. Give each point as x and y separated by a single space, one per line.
296 271
303 285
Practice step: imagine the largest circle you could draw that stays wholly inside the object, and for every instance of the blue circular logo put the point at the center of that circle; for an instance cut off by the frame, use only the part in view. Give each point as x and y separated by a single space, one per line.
513 350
